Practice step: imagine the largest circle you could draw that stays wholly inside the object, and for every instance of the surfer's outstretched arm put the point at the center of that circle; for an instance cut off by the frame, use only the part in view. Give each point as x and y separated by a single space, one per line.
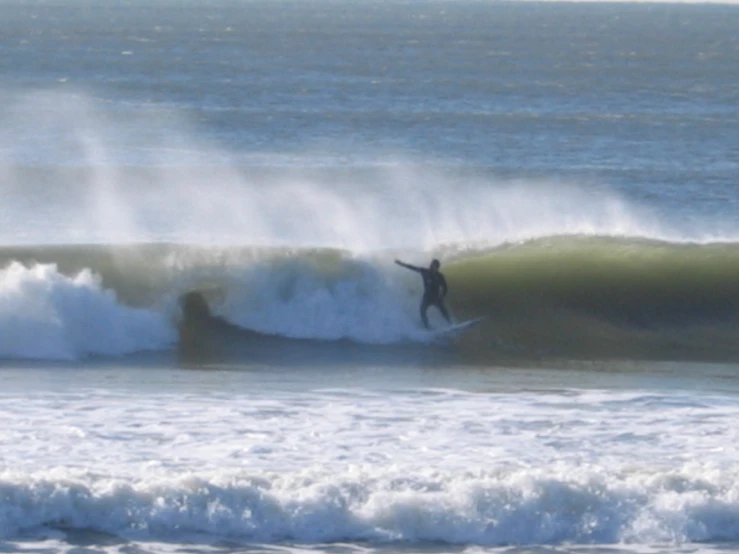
409 266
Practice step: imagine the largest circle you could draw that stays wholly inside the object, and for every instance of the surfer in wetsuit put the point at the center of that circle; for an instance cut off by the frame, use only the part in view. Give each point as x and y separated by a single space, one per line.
434 289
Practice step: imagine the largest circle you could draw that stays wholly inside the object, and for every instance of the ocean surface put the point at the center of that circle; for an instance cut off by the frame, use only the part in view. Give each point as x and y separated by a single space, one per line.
205 345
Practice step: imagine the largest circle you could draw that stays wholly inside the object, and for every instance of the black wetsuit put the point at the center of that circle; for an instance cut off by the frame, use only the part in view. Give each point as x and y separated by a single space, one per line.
434 291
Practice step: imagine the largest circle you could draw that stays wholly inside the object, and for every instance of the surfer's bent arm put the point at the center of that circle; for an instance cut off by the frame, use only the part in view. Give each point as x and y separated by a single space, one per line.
409 266
443 285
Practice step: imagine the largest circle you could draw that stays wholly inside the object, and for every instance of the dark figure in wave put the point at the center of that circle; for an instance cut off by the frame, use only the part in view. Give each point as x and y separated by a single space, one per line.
434 289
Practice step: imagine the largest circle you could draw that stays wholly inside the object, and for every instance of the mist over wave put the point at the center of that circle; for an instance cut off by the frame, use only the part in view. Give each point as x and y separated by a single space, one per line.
73 170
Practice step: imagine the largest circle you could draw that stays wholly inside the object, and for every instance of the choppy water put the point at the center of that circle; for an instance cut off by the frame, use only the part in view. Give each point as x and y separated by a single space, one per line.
205 344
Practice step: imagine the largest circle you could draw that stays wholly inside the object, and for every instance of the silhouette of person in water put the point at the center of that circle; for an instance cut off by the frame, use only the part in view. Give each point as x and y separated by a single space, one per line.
434 289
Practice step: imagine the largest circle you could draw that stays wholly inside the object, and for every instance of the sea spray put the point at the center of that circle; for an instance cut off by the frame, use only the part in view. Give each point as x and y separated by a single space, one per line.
115 177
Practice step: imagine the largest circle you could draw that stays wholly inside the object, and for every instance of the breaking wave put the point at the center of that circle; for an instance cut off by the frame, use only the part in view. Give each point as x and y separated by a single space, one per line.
567 296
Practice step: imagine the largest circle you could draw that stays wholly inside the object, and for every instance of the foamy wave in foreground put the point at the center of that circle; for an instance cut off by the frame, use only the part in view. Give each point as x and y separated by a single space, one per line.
47 315
505 506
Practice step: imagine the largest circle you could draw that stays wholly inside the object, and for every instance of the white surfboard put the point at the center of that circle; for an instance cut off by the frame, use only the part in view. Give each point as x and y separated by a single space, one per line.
458 328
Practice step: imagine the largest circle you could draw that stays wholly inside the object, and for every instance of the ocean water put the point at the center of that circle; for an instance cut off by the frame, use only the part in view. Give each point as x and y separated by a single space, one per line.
205 345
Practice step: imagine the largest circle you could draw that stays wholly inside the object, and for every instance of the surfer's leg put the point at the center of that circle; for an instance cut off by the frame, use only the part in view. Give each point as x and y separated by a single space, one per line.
444 312
424 317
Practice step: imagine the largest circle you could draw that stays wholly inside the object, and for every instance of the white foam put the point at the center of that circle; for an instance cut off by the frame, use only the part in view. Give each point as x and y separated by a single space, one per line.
366 302
45 314
566 502
215 454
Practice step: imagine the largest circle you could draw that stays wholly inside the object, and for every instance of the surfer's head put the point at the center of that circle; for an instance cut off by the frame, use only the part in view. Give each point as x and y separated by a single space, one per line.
435 264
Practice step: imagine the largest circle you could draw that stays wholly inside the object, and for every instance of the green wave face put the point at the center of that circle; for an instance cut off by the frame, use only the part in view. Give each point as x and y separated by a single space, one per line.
594 297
